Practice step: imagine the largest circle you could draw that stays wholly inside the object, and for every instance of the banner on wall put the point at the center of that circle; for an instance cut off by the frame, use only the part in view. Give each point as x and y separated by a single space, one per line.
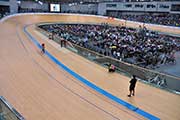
55 8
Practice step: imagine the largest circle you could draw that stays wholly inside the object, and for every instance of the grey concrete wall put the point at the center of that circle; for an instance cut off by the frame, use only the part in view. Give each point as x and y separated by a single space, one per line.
83 8
102 9
5 3
123 6
13 6
34 5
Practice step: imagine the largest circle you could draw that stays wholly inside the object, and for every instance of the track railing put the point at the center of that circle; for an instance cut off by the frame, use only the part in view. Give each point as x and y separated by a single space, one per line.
151 77
7 112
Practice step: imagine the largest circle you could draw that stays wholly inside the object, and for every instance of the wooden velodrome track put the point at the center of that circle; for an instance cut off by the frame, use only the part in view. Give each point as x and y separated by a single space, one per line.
40 90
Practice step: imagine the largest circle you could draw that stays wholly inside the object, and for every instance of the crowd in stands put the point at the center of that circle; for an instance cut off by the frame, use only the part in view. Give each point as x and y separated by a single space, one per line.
3 12
162 19
30 10
81 12
137 46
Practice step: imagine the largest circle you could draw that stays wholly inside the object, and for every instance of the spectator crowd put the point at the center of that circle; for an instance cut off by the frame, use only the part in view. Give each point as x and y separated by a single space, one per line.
4 11
162 19
137 46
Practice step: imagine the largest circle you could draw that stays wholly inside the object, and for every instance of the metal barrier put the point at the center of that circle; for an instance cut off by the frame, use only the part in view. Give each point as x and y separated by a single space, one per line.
7 112
151 77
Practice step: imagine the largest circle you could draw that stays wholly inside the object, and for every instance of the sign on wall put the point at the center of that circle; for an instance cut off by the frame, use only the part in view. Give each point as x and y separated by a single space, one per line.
54 7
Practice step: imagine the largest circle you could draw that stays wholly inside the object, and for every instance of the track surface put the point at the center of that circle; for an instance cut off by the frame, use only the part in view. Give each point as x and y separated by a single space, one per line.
40 90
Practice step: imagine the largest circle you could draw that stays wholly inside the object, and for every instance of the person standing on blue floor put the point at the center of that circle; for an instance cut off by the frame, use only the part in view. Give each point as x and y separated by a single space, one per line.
42 48
132 86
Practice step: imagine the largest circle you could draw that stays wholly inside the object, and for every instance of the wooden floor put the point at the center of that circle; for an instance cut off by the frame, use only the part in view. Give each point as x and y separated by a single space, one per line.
40 90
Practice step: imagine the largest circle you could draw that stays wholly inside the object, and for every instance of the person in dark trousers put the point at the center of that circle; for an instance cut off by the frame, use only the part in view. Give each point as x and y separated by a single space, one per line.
43 48
50 36
132 86
111 68
63 42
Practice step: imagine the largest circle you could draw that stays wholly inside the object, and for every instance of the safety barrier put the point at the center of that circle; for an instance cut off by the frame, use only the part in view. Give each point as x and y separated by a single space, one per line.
151 77
7 112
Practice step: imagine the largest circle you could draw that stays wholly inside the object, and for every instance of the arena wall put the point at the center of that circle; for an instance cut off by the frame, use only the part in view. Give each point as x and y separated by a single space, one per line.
156 7
82 8
12 4
34 5
5 3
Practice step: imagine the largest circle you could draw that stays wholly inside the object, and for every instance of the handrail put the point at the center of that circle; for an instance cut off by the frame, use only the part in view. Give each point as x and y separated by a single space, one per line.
12 110
147 75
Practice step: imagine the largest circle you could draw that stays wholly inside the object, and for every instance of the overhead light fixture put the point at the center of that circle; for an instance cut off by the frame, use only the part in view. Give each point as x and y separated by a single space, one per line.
18 2
41 3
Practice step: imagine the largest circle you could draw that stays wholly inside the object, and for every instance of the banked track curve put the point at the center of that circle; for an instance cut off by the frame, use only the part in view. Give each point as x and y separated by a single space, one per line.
29 84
